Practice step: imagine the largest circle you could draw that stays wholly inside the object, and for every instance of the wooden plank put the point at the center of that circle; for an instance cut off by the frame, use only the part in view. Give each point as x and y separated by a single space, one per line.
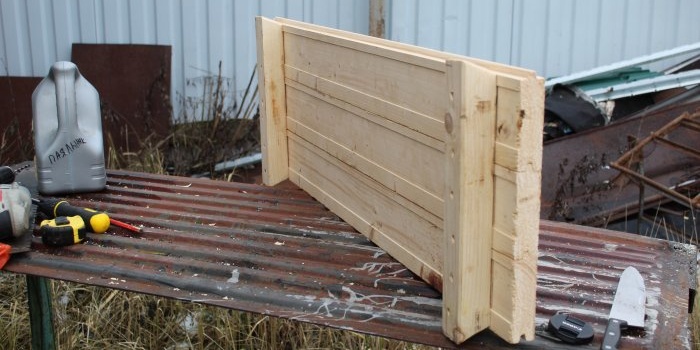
380 214
273 110
426 204
516 208
385 78
365 120
365 146
376 18
353 100
508 124
470 126
362 45
505 71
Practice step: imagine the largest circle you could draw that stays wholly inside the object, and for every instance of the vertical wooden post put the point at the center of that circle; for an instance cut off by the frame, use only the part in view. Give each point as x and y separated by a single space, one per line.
469 152
377 24
40 312
517 179
273 102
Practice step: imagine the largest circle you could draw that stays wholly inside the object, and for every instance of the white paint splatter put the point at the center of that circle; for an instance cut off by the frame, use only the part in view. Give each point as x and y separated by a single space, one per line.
609 247
234 276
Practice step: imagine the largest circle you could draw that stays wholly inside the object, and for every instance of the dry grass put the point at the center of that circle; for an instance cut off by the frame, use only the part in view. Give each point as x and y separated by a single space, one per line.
87 317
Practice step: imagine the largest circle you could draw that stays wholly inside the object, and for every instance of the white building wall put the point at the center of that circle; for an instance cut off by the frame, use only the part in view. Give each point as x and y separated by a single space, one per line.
553 37
36 33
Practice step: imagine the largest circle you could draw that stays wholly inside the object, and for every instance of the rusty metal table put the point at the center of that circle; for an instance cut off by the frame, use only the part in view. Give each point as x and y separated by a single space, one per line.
278 252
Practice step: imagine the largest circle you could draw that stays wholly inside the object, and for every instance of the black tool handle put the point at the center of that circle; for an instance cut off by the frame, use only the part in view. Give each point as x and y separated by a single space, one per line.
7 175
612 334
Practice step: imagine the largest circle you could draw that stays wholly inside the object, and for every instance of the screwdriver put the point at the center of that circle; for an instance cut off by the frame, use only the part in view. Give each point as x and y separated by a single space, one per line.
95 221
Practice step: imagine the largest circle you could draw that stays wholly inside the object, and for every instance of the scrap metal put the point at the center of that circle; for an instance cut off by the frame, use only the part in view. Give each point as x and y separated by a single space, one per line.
635 158
578 182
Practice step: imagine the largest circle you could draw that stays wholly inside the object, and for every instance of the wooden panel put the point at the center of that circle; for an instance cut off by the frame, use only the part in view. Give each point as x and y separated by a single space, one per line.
273 112
385 78
470 125
362 144
433 156
504 70
387 112
396 228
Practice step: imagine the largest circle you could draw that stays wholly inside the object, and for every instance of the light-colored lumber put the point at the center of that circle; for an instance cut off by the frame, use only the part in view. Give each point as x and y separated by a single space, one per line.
349 98
505 71
433 156
363 145
273 111
517 208
349 41
376 18
383 77
470 126
368 207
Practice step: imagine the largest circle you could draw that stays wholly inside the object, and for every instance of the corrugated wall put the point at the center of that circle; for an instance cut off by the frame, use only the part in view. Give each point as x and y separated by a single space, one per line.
34 34
553 37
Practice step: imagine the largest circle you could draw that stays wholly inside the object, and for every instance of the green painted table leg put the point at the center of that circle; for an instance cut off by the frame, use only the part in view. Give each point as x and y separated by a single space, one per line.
40 312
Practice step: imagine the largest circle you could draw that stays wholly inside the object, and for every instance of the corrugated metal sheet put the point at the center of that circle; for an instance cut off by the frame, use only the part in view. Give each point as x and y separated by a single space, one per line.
552 37
35 34
278 252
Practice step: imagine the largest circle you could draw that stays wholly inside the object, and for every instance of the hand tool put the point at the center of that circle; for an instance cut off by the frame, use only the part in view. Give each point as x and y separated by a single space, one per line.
16 218
627 309
94 221
4 254
16 176
570 329
63 230
16 211
8 175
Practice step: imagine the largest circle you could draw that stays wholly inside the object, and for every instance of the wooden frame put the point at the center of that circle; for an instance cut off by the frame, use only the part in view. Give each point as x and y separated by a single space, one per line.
435 157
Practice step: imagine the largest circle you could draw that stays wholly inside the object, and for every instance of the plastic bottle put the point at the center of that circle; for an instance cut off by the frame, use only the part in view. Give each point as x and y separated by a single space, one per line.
68 133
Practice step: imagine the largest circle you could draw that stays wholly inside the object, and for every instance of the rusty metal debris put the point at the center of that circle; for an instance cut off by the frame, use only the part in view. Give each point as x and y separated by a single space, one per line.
579 184
276 251
631 162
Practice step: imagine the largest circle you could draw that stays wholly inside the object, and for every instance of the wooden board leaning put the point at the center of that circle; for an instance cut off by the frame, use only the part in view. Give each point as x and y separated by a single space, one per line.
435 157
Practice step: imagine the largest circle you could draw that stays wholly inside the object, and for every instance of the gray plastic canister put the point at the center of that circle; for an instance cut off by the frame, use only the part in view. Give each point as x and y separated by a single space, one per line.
68 133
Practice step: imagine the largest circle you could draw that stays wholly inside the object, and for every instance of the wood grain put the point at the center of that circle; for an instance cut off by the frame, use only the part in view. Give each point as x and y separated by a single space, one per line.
273 110
433 156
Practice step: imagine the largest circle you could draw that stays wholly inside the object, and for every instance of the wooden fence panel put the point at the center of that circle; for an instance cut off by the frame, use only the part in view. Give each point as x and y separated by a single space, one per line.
435 157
